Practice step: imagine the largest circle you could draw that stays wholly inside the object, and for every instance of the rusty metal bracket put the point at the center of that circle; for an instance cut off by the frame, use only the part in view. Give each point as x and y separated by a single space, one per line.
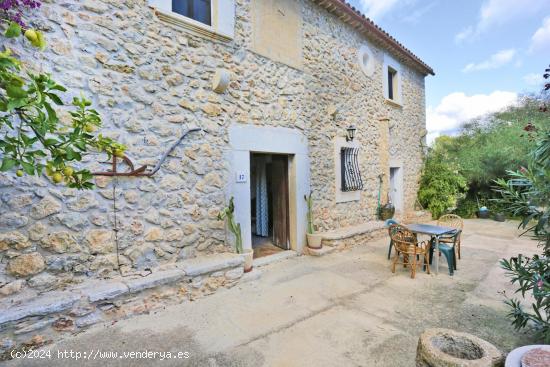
141 171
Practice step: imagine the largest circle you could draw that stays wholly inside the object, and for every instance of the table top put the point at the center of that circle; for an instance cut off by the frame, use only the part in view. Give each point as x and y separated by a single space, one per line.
430 229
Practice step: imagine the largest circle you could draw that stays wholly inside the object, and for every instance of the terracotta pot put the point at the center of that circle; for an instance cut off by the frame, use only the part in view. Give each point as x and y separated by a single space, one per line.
314 240
387 211
248 256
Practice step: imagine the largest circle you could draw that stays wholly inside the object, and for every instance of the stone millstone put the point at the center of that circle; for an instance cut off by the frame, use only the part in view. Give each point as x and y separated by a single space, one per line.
536 358
449 348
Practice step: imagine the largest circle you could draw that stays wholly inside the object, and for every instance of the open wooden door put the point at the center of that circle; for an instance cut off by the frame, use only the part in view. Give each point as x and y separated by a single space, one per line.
281 221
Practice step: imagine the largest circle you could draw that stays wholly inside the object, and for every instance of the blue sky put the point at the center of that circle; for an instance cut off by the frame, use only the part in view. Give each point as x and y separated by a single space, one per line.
484 52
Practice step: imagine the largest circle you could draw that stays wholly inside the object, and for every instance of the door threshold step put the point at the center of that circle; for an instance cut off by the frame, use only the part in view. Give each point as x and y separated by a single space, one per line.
270 259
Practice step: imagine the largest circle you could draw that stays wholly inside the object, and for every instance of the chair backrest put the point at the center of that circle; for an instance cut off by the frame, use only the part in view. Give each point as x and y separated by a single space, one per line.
402 238
451 220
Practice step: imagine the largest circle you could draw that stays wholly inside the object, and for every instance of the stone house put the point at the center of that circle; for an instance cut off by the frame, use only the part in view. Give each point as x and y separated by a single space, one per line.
274 84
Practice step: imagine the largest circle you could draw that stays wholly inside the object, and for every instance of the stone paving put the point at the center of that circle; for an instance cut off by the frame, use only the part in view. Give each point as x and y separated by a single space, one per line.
343 309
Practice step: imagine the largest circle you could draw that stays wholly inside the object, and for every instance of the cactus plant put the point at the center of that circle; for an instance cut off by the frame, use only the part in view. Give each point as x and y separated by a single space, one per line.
309 202
235 228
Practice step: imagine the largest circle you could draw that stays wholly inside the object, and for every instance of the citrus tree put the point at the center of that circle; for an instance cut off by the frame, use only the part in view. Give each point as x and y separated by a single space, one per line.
33 140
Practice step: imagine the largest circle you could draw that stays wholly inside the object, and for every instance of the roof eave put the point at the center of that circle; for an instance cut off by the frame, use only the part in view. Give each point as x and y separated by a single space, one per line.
355 18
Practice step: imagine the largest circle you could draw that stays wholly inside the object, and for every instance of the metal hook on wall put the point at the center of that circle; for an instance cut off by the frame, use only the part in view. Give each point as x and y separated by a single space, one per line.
142 171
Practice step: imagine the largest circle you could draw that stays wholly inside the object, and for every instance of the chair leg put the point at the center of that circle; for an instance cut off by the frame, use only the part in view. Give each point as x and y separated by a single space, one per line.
449 257
427 263
413 267
389 250
459 249
454 258
394 262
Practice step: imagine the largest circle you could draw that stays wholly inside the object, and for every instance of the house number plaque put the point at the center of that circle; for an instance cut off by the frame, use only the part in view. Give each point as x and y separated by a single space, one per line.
241 177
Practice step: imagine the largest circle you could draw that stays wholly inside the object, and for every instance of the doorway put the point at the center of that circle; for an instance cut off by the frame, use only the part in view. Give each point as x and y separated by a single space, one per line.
269 203
396 187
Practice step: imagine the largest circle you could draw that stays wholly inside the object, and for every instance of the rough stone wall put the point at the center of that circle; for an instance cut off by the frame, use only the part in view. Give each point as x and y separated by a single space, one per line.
330 53
150 80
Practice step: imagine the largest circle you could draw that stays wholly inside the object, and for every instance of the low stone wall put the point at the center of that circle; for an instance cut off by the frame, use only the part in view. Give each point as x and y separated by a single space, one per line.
36 319
356 240
351 236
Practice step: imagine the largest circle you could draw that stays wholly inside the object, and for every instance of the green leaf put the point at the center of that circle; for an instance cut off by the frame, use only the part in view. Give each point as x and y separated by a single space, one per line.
16 103
15 91
7 164
14 30
28 168
55 98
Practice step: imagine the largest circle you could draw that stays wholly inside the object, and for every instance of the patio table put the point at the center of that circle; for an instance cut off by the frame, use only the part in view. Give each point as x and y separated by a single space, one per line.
433 231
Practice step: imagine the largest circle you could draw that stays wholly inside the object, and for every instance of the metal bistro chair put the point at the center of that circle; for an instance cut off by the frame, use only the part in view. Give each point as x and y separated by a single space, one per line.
447 249
406 245
453 221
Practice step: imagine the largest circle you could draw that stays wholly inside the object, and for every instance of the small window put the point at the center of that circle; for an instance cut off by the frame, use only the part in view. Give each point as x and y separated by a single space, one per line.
199 10
349 170
392 83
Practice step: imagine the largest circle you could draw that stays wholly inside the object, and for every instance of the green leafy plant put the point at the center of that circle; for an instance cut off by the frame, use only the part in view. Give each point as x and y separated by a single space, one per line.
466 207
34 139
527 196
309 202
235 228
440 185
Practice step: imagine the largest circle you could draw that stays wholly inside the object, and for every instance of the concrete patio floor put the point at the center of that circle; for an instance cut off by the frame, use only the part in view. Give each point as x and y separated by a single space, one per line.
343 309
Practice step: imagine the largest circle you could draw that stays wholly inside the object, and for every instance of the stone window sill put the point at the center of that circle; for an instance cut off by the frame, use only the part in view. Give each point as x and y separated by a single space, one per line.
393 103
192 26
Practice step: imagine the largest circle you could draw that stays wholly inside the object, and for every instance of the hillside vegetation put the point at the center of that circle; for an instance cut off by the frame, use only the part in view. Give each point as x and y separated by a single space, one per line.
460 170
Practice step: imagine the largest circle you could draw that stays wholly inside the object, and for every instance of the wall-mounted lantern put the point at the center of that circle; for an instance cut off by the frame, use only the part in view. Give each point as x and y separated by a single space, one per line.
350 133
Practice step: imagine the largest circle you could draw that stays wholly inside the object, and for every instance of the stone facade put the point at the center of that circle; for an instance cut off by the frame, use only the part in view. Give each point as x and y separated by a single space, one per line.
150 80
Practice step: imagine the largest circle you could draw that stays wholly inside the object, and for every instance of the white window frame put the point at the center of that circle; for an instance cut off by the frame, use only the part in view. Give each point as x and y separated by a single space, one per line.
390 63
222 18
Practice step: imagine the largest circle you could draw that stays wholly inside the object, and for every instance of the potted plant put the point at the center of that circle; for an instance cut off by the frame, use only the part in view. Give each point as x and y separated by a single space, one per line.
499 215
483 213
386 211
313 239
235 228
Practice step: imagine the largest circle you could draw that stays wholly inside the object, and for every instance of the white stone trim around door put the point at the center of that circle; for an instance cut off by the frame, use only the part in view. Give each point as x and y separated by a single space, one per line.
243 140
399 195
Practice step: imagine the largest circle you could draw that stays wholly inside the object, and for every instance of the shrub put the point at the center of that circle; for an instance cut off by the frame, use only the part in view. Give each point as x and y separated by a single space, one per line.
466 207
531 203
440 185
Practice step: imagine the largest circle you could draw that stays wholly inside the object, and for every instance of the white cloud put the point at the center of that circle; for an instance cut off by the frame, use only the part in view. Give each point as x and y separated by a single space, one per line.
375 9
497 60
533 79
457 108
541 39
499 12
415 16
465 34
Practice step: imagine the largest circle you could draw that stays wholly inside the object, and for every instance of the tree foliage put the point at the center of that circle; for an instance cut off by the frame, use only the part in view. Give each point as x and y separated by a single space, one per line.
531 202
440 184
33 138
